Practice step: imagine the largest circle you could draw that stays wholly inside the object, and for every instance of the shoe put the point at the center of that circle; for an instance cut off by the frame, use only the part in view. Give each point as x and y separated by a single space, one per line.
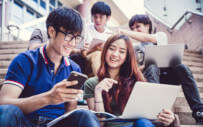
198 115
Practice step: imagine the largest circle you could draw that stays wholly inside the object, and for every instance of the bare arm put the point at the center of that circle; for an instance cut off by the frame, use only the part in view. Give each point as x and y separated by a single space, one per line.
69 106
105 85
58 94
83 52
33 46
90 103
142 37
9 95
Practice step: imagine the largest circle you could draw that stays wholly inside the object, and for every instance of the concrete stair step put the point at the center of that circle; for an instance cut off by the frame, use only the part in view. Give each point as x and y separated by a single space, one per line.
182 102
182 95
7 57
184 109
196 70
4 64
190 58
1 81
14 46
3 73
14 42
193 55
12 51
198 77
193 64
192 51
186 118
200 85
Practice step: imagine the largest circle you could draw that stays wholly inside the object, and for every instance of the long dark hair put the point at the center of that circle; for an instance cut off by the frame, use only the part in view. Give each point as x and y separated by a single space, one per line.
129 73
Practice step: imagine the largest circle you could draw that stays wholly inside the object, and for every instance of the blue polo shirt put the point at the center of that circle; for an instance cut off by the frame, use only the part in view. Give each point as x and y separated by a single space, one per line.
33 72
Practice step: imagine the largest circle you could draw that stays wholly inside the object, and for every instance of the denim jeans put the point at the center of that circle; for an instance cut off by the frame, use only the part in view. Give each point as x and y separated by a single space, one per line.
12 116
179 74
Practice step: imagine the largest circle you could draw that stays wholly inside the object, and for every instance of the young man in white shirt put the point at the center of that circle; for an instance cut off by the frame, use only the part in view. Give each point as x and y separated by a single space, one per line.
90 59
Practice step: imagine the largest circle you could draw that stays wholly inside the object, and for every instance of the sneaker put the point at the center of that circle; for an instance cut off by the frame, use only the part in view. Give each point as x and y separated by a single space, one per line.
198 115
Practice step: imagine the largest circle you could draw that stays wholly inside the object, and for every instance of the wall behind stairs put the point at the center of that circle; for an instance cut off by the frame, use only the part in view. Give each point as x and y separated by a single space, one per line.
190 34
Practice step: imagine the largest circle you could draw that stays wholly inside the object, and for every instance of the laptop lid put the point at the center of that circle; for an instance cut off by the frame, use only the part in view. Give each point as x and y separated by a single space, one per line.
147 100
164 55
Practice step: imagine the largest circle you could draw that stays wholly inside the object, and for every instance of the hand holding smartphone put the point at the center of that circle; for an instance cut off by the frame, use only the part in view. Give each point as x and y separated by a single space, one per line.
81 78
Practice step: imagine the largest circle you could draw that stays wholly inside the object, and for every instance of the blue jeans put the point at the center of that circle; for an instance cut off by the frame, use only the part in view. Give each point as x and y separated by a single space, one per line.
179 74
143 123
12 116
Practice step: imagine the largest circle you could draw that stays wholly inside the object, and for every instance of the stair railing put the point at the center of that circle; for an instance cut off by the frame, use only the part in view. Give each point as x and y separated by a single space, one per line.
10 28
184 15
25 25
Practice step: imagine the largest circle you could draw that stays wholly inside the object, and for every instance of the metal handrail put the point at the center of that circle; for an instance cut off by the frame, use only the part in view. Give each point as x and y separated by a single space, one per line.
9 29
32 23
188 11
26 25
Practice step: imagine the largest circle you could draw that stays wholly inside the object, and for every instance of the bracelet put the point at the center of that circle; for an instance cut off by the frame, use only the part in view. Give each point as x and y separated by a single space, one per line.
98 101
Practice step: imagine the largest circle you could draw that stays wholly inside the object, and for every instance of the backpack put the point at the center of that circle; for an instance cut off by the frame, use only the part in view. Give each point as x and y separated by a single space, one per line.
139 52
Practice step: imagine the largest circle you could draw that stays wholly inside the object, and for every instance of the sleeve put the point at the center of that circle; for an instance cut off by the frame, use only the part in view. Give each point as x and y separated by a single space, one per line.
88 37
18 71
89 87
36 37
161 38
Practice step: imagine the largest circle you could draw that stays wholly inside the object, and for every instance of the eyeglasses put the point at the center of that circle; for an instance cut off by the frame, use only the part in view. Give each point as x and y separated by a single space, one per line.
70 36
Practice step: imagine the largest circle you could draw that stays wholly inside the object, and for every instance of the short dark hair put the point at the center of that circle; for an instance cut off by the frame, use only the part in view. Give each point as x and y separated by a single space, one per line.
101 8
141 19
65 17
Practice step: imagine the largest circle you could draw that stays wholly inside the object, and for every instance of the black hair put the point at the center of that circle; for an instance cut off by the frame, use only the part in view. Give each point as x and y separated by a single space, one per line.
140 19
65 17
101 8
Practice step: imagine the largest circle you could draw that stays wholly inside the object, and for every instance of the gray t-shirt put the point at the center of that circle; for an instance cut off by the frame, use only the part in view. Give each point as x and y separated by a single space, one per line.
38 36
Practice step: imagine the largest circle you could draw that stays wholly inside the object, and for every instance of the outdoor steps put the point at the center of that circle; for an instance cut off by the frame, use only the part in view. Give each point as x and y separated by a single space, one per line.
8 50
14 46
195 62
8 57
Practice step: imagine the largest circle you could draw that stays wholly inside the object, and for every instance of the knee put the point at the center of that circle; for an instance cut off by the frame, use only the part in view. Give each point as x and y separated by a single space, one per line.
144 123
182 68
84 113
9 111
9 108
153 68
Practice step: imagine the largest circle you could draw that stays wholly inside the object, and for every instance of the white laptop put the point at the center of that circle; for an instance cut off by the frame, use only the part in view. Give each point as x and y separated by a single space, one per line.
164 55
147 100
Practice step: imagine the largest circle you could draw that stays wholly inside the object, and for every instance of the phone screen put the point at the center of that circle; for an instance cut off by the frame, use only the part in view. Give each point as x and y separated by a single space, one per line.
81 78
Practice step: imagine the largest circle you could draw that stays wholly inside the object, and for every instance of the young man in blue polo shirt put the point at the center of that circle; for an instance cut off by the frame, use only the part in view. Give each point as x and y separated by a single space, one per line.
34 90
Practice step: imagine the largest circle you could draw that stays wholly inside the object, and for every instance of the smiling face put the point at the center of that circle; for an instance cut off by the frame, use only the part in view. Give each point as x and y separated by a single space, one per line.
58 43
116 54
100 22
141 27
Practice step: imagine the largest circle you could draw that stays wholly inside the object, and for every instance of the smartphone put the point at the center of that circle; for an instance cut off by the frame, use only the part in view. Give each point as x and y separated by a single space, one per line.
81 78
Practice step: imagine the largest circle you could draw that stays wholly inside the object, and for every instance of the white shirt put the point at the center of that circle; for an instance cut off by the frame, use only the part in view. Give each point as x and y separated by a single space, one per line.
161 38
91 32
